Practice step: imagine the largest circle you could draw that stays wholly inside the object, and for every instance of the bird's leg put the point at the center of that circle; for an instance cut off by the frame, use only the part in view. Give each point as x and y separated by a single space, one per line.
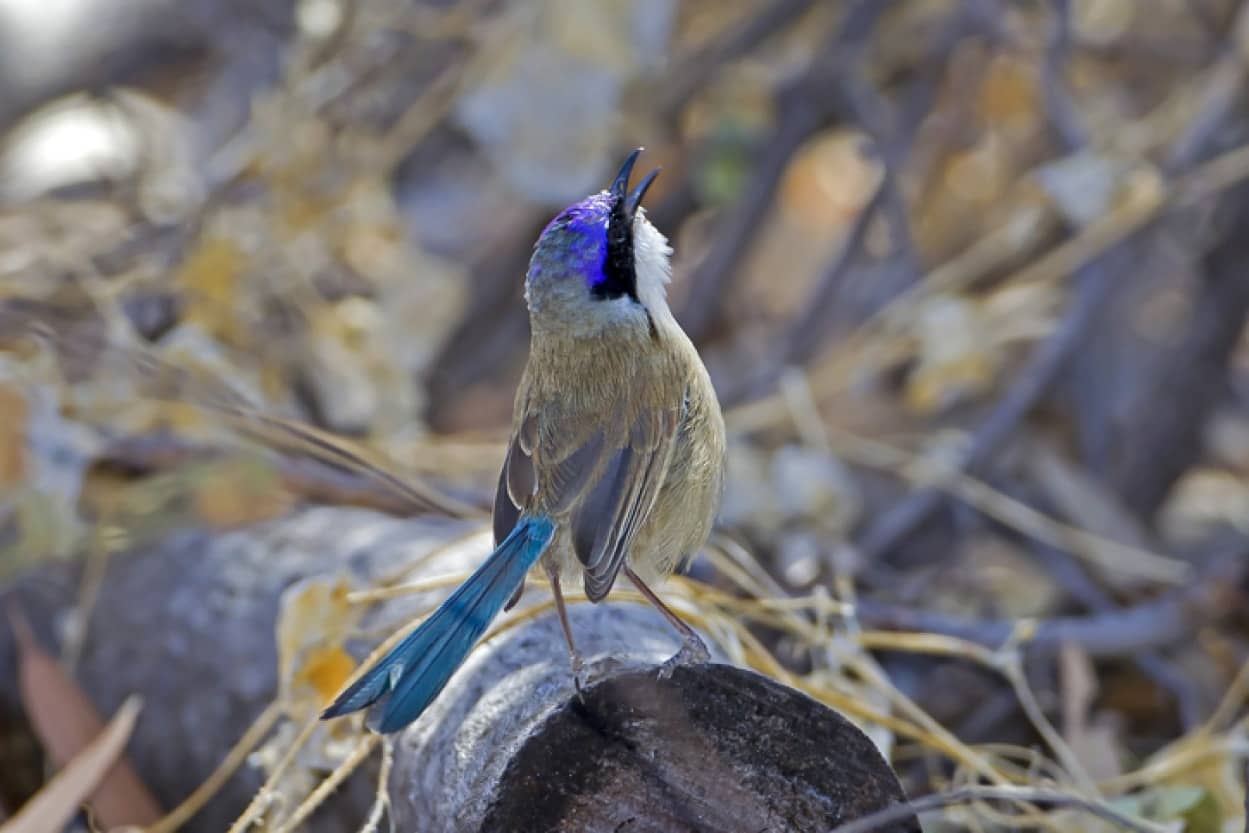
693 651
574 657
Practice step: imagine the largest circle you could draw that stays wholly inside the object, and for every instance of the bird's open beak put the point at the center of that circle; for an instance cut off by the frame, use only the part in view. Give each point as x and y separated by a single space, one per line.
620 186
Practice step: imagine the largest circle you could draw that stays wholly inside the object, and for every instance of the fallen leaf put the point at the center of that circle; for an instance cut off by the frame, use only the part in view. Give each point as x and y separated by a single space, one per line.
88 771
955 355
66 721
327 670
1094 742
313 623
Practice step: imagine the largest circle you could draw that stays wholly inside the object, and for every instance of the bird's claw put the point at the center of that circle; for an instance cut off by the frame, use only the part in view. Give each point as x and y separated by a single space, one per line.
578 678
693 652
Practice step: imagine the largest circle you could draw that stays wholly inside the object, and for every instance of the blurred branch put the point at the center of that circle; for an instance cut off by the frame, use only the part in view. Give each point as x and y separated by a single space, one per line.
808 332
485 342
1120 633
692 72
805 105
1033 380
1095 280
162 380
1064 117
881 819
1072 577
1164 441
1159 443
314 481
1219 98
893 132
1244 771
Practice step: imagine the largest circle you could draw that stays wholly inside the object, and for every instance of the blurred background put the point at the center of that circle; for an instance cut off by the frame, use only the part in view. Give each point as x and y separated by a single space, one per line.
970 277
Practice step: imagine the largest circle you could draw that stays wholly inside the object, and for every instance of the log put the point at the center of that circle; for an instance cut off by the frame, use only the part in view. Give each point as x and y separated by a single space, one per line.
188 623
644 754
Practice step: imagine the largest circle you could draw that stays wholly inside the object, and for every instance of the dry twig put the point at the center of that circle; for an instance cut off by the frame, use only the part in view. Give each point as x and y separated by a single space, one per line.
1123 632
973 795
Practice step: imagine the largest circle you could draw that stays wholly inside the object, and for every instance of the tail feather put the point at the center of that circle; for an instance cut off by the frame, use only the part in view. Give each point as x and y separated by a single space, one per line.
410 676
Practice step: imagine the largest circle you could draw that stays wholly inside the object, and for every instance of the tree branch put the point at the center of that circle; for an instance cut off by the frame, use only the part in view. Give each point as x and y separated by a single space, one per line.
1124 632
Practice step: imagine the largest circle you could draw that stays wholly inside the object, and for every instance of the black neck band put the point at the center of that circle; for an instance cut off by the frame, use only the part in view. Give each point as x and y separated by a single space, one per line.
619 277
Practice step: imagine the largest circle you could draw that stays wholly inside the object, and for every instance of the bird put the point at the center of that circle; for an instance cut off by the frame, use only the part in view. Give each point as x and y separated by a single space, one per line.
616 457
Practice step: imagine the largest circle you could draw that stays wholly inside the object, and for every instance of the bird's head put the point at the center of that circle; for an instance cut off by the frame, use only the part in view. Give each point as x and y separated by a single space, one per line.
600 263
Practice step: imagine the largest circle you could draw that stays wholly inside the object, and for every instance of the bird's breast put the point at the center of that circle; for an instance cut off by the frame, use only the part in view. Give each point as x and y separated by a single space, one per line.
583 400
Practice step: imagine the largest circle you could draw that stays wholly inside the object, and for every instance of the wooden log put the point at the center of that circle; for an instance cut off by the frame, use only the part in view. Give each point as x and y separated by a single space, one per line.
714 748
508 746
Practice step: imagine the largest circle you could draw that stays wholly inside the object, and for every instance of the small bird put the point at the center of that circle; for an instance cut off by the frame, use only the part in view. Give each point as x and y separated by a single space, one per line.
616 459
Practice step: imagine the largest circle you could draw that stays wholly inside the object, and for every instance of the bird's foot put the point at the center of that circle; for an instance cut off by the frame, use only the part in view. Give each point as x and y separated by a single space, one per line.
693 652
578 676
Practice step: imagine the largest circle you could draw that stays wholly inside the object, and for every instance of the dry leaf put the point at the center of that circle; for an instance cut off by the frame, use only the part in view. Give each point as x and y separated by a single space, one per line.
999 578
980 175
211 275
1088 505
961 341
313 623
828 183
66 721
1079 687
239 491
91 769
13 415
1094 743
1202 501
337 369
1083 186
1102 21
1009 96
326 670
956 356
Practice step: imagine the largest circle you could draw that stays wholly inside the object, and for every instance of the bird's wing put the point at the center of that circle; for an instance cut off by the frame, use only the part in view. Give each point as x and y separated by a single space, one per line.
606 520
518 483
606 481
517 480
566 469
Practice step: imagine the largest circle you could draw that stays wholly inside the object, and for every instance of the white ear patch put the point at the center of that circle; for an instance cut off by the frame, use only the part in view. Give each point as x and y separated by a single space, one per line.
651 266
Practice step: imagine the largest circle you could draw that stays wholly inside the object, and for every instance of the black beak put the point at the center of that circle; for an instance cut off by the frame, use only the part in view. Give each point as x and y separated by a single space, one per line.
620 186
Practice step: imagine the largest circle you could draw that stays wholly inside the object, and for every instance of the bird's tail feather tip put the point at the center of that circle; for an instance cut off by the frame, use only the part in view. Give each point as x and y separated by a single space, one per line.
405 681
365 691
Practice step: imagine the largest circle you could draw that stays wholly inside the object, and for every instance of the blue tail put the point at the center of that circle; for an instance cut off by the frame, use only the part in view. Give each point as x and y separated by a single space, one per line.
415 670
